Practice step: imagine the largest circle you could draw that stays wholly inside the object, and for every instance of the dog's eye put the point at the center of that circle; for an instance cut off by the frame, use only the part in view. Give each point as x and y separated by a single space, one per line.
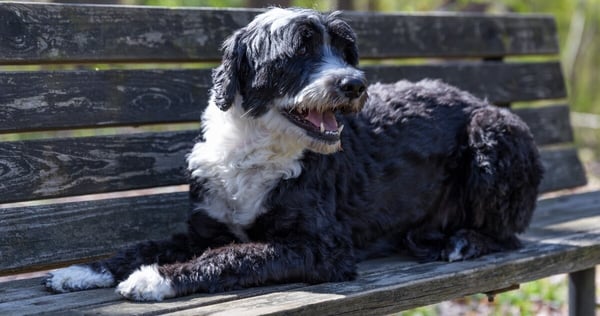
350 56
301 50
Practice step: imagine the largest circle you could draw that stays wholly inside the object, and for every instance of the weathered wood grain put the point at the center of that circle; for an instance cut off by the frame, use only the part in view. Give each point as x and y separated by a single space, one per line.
452 35
497 82
45 235
76 99
556 210
384 285
71 166
563 170
48 304
97 301
40 33
63 167
18 290
549 124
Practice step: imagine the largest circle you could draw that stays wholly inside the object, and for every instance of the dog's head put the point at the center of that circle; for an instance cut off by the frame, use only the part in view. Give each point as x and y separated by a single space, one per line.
294 69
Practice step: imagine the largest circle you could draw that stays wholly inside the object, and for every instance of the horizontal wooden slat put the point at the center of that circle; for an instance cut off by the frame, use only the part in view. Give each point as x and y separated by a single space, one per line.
563 170
49 234
495 81
564 237
38 236
74 99
54 168
452 35
62 167
40 33
549 125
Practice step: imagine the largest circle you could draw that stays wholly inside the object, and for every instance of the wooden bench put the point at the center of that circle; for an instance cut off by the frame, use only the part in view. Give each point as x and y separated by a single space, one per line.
127 127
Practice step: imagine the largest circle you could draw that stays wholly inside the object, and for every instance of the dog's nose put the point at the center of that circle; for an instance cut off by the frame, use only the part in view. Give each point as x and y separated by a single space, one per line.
352 87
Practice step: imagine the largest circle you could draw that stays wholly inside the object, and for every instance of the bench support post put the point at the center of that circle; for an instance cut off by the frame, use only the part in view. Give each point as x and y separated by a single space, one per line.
582 292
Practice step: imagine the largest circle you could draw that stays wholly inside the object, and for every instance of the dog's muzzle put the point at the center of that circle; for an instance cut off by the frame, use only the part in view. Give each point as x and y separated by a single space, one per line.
345 95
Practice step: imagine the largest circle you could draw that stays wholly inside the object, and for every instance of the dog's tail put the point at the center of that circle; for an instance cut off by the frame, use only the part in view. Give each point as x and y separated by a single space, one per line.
503 173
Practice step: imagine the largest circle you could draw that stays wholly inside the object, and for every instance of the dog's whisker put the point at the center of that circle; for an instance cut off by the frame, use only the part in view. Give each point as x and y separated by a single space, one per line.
245 114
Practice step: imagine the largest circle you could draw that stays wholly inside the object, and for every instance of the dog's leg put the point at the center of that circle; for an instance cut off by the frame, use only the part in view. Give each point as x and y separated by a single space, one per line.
430 245
425 244
238 266
467 244
105 273
203 233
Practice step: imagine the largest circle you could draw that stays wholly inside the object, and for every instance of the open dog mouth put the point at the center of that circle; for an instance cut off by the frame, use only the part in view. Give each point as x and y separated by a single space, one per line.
321 125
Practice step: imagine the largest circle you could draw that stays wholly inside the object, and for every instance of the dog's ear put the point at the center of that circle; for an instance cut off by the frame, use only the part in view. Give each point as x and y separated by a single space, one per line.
226 77
343 35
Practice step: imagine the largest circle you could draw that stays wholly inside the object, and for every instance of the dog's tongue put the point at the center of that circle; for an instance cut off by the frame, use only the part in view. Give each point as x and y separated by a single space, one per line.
327 118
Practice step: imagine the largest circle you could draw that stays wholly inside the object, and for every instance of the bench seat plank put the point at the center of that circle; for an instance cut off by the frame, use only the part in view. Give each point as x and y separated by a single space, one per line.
102 299
19 290
75 33
564 237
47 99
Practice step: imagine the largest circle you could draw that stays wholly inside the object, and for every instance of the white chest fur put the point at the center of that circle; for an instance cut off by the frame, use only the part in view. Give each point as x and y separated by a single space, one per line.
241 160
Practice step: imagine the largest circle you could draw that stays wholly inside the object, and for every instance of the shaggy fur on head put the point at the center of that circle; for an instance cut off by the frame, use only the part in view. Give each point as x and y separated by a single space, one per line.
301 171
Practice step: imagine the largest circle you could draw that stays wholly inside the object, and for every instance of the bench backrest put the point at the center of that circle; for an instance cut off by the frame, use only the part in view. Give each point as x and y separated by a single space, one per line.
99 99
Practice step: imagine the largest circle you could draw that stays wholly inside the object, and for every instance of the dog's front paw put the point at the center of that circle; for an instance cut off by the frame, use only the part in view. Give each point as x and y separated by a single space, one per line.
466 245
146 284
459 249
77 278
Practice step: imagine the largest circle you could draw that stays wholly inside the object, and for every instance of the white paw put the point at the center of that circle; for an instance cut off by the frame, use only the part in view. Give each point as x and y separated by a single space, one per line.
146 284
77 278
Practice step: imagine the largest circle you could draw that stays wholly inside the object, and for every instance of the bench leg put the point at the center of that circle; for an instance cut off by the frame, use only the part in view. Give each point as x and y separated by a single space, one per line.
582 292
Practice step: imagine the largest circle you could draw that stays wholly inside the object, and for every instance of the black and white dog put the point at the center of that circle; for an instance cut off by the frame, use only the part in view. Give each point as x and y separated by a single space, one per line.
280 194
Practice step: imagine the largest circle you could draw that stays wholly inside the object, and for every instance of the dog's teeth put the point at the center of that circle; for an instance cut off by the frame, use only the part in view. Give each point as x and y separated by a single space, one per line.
322 127
340 128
